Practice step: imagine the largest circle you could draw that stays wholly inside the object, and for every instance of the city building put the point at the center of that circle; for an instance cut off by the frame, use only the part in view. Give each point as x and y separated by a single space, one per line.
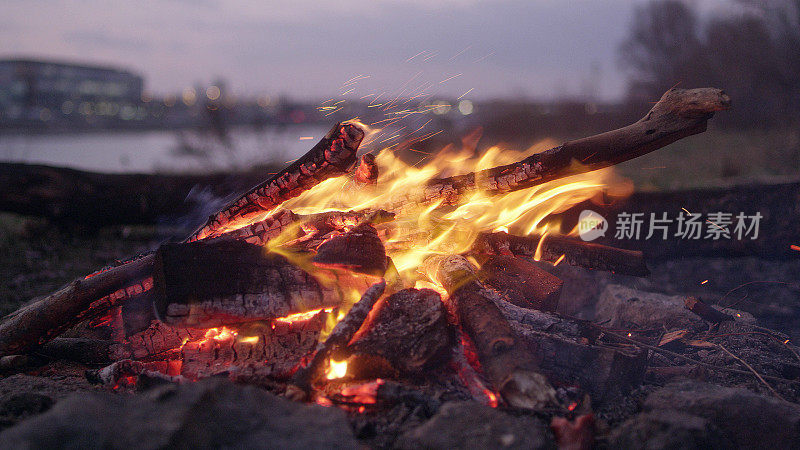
42 91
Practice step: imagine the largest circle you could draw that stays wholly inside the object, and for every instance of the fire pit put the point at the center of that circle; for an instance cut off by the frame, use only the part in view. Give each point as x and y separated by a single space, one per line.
361 281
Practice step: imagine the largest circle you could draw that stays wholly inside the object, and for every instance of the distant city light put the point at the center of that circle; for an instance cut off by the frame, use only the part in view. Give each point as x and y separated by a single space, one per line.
189 96
212 92
465 107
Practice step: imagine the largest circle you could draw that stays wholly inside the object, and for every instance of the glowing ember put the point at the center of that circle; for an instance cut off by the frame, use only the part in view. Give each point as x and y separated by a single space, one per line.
336 369
366 393
300 317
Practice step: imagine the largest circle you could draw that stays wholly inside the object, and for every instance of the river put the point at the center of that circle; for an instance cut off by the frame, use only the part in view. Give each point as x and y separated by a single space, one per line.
162 150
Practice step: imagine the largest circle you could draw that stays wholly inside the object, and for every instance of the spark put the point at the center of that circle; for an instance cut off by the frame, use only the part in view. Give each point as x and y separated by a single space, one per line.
409 59
448 79
795 247
560 258
704 282
348 91
305 138
484 57
432 55
465 93
460 53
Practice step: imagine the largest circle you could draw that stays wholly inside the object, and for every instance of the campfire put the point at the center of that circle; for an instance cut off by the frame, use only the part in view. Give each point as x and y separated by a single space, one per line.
342 279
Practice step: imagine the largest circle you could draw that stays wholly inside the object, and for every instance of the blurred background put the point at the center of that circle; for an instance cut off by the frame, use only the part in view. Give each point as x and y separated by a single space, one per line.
186 86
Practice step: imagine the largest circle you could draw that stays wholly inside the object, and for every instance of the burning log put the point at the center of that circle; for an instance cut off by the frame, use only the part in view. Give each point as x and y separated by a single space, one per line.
409 330
259 349
332 156
359 250
40 321
214 283
575 252
342 333
678 114
521 282
509 364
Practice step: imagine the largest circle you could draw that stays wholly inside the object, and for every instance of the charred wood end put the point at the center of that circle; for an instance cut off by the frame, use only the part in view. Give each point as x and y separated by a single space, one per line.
409 329
332 156
359 250
706 311
521 283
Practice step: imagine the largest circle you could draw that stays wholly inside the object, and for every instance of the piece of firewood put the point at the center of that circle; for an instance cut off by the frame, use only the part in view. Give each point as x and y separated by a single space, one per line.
40 321
521 282
359 250
706 311
70 197
678 114
332 156
222 282
509 364
576 252
83 350
408 329
341 334
574 353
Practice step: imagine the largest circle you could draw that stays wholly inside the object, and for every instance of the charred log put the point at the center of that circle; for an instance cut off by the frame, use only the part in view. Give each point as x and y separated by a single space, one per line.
85 199
215 283
575 252
331 157
521 282
408 329
574 353
510 365
706 311
359 250
82 350
44 319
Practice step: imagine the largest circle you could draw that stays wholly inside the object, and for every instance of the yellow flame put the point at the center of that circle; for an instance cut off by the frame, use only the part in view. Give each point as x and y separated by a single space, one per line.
424 229
336 369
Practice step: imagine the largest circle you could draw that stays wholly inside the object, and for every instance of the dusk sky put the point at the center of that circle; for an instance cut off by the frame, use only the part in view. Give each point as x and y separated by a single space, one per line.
308 49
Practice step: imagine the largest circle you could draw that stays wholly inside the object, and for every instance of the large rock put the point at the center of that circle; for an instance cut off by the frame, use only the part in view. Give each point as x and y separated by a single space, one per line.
623 307
746 419
209 414
667 429
471 425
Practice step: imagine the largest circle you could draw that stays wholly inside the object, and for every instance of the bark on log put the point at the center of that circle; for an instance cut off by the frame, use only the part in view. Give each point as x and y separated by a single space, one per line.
575 354
40 321
82 350
576 252
408 329
93 200
332 156
509 364
678 114
367 171
521 282
209 284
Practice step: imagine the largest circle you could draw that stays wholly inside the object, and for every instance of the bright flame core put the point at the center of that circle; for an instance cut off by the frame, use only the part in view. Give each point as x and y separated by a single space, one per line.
421 230
336 369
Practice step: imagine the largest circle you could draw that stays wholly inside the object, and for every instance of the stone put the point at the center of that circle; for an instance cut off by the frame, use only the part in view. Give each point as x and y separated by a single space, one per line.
746 419
209 414
471 425
667 429
626 308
